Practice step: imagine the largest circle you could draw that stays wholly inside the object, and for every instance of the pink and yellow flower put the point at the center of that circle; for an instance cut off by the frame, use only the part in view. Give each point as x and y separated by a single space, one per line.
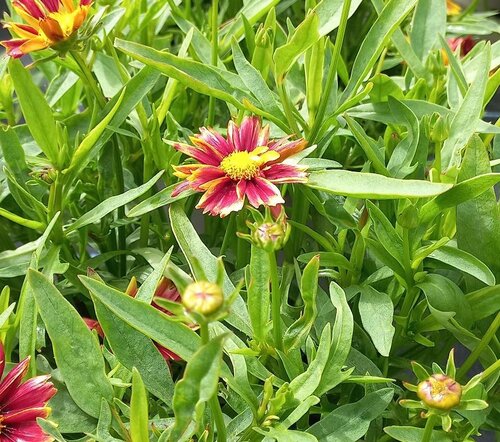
245 165
49 23
21 403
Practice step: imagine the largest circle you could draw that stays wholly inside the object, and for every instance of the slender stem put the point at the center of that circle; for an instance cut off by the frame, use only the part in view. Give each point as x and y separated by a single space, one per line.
490 370
215 50
214 401
56 205
332 72
275 302
287 106
429 426
488 336
122 234
88 78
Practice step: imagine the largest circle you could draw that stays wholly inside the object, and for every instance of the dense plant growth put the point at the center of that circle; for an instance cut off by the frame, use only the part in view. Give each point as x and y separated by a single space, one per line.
248 220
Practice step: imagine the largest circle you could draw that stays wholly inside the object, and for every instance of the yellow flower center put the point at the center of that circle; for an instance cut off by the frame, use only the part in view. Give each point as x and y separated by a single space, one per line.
246 165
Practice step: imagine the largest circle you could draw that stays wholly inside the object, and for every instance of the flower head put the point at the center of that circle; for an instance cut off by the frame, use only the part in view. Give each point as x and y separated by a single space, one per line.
453 8
464 44
202 297
440 391
246 164
21 403
49 23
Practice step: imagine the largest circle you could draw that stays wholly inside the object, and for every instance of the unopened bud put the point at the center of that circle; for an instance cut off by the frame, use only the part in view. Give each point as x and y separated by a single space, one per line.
203 297
440 391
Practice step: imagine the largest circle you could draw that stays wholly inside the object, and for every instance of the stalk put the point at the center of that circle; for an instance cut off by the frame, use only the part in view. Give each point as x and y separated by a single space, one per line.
215 50
88 78
275 302
429 426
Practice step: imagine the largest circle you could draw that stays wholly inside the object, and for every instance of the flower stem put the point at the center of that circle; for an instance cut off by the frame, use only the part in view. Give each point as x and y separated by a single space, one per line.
214 401
488 336
275 302
88 78
332 73
490 370
429 426
215 49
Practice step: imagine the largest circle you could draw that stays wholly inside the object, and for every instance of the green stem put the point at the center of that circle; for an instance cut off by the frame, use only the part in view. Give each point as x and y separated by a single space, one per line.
275 302
490 370
88 78
215 50
429 426
56 205
214 401
287 106
332 73
488 336
122 238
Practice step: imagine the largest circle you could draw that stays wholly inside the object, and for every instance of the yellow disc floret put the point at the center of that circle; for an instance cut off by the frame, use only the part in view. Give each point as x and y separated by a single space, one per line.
246 165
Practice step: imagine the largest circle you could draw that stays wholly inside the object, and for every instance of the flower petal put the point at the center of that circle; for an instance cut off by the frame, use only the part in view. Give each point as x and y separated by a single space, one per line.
13 379
287 148
221 198
34 393
260 191
181 187
210 136
285 173
245 136
202 177
25 432
167 354
29 7
2 359
28 414
198 152
51 5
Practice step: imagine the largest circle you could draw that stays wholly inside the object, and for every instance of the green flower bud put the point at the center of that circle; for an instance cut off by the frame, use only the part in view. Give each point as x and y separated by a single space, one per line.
440 392
204 298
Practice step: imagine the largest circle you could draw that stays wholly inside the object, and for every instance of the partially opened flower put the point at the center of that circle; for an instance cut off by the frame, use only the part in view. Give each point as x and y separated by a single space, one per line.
49 23
245 165
21 403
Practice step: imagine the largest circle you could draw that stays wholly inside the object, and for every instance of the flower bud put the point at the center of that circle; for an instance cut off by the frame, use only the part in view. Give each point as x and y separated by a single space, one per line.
204 298
440 392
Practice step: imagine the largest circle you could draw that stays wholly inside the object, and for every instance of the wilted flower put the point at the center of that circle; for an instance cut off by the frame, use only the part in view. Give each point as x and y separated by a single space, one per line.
49 24
22 403
440 391
203 297
453 8
245 165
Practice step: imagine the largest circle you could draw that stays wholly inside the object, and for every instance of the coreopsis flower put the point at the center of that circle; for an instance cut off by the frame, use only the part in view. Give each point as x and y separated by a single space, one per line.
464 44
49 24
440 391
453 8
246 165
21 403
203 297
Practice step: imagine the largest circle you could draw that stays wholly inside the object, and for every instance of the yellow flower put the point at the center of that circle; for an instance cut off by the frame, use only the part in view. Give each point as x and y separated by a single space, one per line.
440 391
453 8
49 23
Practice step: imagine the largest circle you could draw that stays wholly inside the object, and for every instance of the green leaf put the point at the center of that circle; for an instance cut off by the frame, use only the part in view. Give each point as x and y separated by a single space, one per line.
113 203
478 220
304 385
484 302
258 293
387 235
303 37
197 386
198 255
13 155
76 350
133 349
374 42
377 311
138 409
429 21
341 342
297 333
465 262
369 185
412 434
147 290
465 121
349 423
330 12
202 78
159 199
284 435
37 113
327 259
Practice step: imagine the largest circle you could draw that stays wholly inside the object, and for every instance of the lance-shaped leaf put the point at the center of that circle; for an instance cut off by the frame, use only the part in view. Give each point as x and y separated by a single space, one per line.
258 293
76 350
138 409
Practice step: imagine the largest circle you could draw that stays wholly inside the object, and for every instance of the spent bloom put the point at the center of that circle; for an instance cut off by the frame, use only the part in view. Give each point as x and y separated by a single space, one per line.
21 403
440 391
48 24
245 165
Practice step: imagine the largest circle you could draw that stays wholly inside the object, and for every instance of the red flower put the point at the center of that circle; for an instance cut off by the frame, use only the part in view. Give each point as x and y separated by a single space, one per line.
464 43
48 23
245 165
21 403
